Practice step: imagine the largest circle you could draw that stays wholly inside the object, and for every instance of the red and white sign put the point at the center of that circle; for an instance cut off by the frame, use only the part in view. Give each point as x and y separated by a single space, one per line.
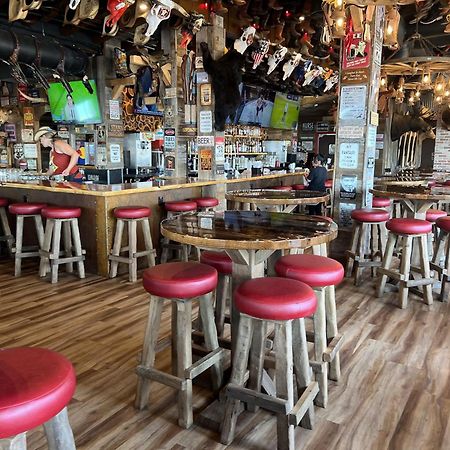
356 52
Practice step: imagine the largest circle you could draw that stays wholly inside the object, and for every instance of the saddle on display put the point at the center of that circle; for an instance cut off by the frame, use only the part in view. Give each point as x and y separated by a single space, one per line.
85 9
136 11
116 10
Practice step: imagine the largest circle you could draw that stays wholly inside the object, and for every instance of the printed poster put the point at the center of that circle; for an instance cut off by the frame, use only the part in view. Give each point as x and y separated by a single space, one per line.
353 102
345 211
356 52
348 155
205 156
348 187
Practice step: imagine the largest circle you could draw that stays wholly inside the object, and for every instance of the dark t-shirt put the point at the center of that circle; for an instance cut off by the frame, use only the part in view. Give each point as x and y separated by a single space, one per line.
317 178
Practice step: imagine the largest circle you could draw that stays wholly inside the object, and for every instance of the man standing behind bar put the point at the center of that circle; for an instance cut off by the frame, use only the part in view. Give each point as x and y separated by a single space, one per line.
315 181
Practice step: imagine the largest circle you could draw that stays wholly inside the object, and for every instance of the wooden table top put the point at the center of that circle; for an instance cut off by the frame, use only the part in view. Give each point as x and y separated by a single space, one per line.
249 230
276 197
434 194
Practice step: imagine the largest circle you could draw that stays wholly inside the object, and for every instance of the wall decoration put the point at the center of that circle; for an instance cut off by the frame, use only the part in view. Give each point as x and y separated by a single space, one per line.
348 155
28 116
205 156
348 187
205 94
137 122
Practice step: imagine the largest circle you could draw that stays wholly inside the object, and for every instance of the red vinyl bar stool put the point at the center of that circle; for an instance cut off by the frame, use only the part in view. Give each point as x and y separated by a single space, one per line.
206 203
224 266
409 230
22 211
132 216
298 187
58 217
284 304
174 208
5 232
441 257
381 202
322 274
180 283
329 190
431 216
369 227
36 385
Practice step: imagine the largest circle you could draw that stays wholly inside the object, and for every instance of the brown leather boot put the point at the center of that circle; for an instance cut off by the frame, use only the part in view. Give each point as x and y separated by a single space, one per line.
273 4
256 8
291 34
218 8
274 18
243 15
239 2
276 33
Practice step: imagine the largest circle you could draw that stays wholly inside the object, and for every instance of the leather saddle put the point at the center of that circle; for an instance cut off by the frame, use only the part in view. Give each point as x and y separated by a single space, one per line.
86 9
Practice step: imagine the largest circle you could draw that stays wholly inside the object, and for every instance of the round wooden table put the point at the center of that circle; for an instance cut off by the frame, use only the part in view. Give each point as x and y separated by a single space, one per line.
417 199
250 237
275 200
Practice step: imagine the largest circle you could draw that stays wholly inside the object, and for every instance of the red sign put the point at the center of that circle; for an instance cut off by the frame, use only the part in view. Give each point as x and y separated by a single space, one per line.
356 52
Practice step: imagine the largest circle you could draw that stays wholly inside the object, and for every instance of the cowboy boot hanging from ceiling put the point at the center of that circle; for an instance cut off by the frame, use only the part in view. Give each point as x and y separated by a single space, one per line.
276 58
190 28
158 12
259 54
241 44
116 9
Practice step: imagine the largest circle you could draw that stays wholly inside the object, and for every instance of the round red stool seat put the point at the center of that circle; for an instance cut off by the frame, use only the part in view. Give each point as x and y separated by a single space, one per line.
298 187
447 183
444 223
370 215
434 214
3 202
219 260
409 226
328 184
61 212
181 206
35 385
26 208
206 202
281 188
314 270
432 183
380 202
132 212
180 279
275 298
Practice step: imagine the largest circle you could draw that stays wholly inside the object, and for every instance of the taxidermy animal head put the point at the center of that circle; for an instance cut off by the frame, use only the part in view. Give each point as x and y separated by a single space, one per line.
226 75
402 123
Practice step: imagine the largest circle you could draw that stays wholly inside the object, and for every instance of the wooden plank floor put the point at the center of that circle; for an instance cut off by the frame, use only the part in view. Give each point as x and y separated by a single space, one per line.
394 393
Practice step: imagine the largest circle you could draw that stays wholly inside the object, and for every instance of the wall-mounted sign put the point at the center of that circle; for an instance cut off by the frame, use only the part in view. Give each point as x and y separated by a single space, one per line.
169 139
205 94
348 155
348 187
351 132
28 116
356 52
115 130
345 211
169 162
30 150
205 156
10 129
114 110
355 76
353 103
207 141
114 151
205 121
27 135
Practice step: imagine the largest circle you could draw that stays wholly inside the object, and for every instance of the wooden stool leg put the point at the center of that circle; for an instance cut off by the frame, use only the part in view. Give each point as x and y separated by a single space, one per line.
39 230
284 383
223 287
320 344
56 241
386 264
445 282
67 236
361 251
44 263
239 367
148 242
77 247
184 347
149 349
18 442
257 359
405 269
18 248
301 367
210 334
353 247
439 248
332 330
164 251
132 250
116 248
425 269
6 230
59 433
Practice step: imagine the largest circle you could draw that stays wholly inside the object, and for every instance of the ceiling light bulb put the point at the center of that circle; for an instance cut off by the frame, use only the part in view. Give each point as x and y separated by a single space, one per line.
340 22
417 94
301 19
389 29
339 3
143 7
383 81
447 93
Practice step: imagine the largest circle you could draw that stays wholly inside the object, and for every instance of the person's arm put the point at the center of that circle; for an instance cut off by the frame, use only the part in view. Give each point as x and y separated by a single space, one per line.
68 150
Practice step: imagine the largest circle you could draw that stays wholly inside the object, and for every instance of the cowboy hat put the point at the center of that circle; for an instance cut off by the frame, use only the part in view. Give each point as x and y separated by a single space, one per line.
42 132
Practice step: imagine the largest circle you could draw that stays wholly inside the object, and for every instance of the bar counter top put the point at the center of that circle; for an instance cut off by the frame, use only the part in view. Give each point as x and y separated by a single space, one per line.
158 184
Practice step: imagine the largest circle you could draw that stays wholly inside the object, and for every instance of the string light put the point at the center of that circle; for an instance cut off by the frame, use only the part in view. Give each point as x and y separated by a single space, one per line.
440 83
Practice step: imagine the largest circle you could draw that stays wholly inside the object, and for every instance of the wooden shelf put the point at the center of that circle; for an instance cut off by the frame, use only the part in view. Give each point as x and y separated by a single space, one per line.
237 136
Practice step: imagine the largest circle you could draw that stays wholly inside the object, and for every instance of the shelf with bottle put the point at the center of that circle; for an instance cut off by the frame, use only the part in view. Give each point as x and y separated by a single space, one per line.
246 154
245 132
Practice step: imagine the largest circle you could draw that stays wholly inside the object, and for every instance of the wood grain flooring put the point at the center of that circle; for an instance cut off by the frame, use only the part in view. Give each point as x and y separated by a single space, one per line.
394 393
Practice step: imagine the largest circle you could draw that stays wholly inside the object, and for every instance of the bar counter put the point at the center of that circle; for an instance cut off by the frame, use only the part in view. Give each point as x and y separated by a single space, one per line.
98 202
